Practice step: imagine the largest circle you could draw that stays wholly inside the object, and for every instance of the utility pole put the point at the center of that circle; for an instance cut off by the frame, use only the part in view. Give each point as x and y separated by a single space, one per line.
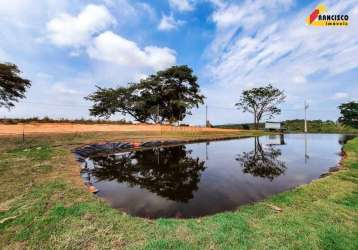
306 107
306 155
206 115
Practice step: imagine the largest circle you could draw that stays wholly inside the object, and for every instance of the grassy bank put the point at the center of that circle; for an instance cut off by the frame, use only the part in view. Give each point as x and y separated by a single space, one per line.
43 204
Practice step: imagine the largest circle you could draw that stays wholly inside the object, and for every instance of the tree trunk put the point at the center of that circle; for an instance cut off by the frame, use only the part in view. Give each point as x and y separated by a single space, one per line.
255 121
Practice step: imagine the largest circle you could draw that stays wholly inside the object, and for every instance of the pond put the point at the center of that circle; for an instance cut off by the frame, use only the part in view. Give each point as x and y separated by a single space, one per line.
199 179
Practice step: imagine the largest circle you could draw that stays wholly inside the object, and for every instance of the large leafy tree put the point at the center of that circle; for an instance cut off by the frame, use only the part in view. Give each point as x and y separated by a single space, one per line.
261 102
108 101
12 85
349 112
168 95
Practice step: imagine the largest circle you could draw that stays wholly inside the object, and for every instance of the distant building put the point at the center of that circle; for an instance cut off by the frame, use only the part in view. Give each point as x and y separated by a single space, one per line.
274 125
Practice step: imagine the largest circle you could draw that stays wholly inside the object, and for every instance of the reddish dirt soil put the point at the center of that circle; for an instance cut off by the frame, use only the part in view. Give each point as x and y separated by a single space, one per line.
15 129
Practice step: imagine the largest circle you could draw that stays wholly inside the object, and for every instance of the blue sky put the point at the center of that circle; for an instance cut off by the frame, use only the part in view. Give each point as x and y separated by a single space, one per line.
66 47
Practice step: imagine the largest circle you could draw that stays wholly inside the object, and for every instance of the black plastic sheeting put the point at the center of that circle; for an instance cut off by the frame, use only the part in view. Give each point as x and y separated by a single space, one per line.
112 147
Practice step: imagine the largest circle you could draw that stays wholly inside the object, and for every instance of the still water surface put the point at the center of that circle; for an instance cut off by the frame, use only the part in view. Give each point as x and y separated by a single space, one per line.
206 178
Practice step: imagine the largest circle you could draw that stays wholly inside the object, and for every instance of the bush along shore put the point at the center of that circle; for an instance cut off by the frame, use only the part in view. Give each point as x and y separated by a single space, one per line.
45 205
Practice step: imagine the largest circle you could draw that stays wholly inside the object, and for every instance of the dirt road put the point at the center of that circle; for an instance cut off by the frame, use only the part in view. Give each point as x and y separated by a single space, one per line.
15 129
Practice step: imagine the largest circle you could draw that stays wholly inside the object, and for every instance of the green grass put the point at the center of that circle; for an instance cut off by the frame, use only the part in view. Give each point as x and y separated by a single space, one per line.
47 207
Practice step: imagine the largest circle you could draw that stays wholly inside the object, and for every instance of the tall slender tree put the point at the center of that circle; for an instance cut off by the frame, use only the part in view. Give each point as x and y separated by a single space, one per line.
261 102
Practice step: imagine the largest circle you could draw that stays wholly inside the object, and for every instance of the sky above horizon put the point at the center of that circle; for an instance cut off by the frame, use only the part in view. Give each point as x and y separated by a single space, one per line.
67 47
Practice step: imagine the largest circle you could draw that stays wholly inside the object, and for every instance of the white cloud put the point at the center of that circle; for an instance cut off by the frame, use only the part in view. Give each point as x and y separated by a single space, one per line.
168 23
147 9
290 49
63 90
181 5
59 82
218 3
247 14
67 30
340 95
300 59
299 79
130 10
23 13
113 48
21 24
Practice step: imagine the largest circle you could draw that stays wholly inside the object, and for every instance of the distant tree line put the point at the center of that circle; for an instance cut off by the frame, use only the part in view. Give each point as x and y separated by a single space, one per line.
61 120
326 126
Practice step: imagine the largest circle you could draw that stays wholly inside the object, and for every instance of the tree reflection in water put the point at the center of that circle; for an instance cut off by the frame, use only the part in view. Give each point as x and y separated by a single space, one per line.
169 172
262 162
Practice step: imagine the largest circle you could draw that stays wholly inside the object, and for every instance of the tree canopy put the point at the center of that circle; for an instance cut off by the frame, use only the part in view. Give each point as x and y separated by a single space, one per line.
168 95
261 101
12 86
349 114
